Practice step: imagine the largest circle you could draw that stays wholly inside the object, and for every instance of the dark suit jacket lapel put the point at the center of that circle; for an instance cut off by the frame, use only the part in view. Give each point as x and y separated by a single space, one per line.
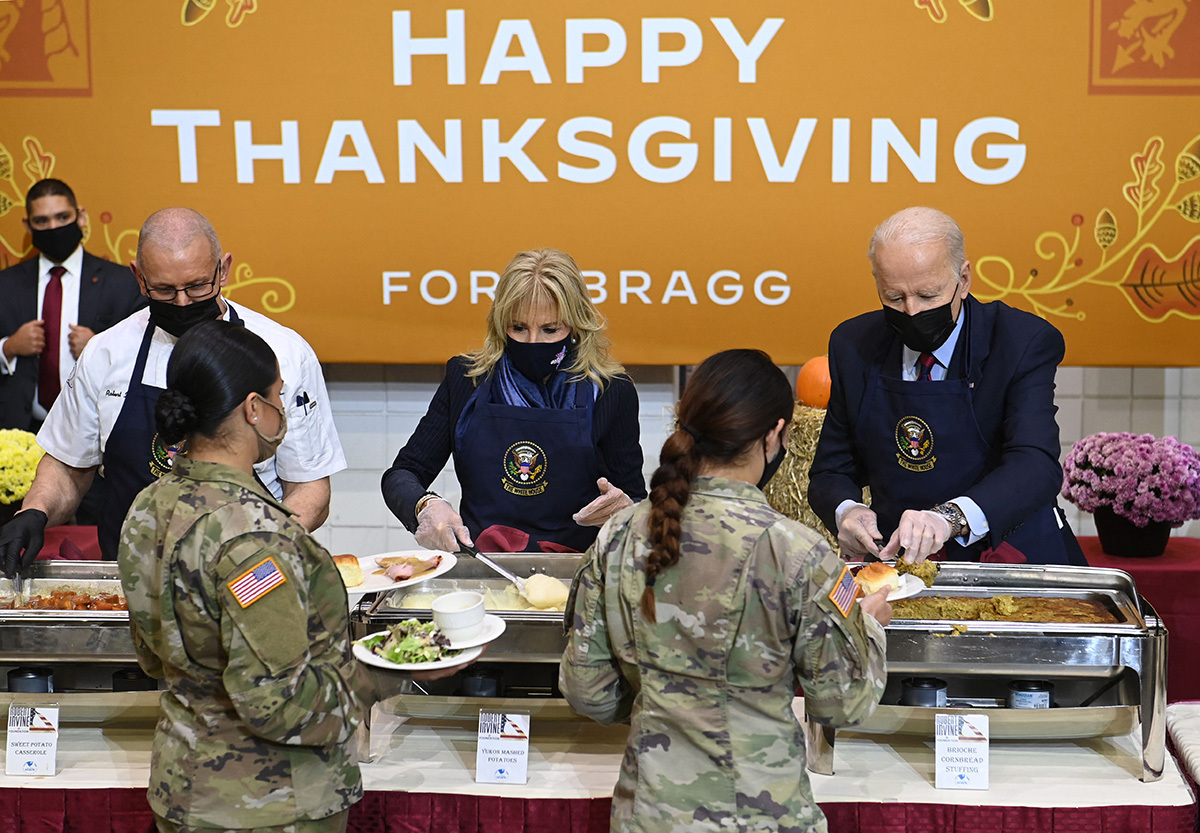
89 291
981 321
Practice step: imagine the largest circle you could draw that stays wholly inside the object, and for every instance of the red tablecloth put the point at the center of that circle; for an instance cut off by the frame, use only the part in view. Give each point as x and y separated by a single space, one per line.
1168 582
125 811
71 543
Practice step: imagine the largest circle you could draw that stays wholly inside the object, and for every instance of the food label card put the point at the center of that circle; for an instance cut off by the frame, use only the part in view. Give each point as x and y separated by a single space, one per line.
503 751
961 749
32 739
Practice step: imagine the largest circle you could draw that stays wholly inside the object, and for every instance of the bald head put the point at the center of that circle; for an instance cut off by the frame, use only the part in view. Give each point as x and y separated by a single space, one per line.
918 226
173 230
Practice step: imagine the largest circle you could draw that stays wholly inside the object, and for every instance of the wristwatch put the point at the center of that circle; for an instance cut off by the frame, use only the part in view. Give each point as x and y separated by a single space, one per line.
958 521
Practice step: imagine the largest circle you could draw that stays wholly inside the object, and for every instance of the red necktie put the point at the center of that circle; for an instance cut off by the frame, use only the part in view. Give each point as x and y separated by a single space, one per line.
925 364
48 381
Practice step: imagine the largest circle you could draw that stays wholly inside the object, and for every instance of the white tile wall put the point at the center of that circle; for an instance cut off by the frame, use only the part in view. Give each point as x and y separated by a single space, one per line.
376 408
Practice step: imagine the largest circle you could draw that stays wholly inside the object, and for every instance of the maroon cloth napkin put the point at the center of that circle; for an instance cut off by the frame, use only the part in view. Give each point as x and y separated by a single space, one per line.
1006 553
497 538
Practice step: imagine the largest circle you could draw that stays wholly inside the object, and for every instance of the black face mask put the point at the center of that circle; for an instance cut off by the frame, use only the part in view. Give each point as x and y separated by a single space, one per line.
57 243
537 360
772 465
177 320
924 332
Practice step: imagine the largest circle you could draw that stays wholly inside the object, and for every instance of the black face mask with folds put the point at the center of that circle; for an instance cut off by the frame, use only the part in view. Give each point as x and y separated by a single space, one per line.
771 466
537 360
177 320
924 332
57 243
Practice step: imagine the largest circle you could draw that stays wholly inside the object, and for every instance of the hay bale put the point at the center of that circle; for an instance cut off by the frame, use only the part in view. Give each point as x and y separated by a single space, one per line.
788 490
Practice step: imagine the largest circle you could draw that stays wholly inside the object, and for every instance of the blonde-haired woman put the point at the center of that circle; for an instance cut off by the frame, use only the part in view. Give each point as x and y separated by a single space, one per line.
542 423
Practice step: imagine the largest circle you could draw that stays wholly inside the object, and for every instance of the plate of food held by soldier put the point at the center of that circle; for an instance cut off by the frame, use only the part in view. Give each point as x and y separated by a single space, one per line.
412 645
392 570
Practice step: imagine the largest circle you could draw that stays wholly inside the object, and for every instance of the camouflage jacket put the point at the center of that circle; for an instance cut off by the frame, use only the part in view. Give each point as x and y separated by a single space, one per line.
744 617
244 615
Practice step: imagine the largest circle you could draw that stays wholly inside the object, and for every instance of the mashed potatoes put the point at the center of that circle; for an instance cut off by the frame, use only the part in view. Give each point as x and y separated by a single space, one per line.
507 598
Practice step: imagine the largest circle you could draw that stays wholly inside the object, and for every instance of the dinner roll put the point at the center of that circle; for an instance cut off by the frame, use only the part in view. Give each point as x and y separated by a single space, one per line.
350 569
877 575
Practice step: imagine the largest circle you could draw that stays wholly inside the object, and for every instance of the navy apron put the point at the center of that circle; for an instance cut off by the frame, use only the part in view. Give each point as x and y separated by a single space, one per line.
133 456
529 468
922 446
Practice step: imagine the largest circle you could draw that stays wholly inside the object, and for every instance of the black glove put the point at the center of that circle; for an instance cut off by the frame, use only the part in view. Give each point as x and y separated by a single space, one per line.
23 534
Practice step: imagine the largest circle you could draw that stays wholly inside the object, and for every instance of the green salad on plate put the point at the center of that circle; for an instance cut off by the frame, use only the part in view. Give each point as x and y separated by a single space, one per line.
410 641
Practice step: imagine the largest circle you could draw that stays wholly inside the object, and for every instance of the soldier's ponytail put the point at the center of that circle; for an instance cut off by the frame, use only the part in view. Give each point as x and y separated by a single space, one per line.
732 401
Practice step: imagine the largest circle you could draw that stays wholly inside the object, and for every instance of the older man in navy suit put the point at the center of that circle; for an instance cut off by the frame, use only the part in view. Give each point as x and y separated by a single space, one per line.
944 407
53 304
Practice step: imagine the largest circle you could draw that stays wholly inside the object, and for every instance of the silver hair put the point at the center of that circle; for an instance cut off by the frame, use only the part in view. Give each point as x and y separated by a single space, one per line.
919 225
175 229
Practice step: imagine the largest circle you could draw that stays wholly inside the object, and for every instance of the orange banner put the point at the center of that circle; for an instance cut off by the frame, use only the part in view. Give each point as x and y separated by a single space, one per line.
716 168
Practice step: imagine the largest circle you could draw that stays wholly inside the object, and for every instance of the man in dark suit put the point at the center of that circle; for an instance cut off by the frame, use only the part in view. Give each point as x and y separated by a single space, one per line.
944 407
37 351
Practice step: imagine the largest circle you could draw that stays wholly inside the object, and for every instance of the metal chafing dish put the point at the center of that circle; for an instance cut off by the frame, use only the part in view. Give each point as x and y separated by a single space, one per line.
1106 677
83 647
525 657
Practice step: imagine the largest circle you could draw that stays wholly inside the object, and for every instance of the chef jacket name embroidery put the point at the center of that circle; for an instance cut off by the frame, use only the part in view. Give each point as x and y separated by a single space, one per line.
915 441
257 582
525 467
162 456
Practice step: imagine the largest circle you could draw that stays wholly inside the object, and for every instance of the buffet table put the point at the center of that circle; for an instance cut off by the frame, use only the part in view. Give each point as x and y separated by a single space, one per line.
422 779
1168 582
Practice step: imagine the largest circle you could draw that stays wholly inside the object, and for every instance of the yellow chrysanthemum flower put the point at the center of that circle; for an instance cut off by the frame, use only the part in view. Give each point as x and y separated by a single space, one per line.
19 456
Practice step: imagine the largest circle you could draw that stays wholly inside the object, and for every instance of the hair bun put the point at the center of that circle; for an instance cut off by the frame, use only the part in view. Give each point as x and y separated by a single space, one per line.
175 415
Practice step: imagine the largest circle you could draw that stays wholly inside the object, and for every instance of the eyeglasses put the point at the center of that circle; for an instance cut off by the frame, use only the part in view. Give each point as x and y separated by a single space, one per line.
196 290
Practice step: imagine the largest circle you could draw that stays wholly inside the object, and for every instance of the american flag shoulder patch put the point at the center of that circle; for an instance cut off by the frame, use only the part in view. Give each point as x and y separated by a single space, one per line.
257 582
844 592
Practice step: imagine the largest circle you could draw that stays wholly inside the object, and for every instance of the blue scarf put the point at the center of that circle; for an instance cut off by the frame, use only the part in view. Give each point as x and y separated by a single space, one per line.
511 387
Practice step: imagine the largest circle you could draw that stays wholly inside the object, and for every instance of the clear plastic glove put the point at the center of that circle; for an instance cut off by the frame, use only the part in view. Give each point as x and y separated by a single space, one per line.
920 534
858 532
439 527
611 501
21 540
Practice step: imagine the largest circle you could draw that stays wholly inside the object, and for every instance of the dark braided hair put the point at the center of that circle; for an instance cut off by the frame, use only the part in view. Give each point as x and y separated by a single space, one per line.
731 402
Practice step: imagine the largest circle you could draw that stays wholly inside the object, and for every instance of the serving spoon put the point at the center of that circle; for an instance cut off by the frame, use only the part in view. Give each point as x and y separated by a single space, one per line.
473 551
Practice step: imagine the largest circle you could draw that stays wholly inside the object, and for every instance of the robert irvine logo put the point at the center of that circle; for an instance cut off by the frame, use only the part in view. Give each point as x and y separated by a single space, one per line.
45 48
1143 47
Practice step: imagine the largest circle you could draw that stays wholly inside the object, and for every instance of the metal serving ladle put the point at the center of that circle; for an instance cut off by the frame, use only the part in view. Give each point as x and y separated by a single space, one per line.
473 551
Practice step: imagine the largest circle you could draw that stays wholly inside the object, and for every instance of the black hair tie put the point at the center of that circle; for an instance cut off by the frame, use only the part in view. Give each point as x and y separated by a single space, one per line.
687 429
650 580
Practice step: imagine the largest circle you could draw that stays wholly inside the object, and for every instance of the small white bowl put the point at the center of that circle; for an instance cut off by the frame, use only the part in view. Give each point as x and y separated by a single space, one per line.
459 615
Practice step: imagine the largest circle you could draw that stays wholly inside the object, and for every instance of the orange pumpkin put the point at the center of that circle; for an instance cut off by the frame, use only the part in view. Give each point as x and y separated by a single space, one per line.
812 385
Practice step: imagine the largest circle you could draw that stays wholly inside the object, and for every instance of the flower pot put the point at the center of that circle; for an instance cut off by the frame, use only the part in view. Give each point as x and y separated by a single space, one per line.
1119 535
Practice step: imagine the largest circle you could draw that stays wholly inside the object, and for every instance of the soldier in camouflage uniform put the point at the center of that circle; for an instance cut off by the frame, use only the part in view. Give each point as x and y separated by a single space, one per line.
756 604
245 617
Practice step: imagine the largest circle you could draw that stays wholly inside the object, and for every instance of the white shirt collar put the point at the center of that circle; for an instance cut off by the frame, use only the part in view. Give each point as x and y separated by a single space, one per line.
73 264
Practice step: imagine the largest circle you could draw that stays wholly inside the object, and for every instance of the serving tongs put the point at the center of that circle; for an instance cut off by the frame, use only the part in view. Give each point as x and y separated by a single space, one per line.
20 588
473 551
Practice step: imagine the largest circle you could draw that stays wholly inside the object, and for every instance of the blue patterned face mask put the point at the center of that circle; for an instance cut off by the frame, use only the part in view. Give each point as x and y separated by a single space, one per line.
537 360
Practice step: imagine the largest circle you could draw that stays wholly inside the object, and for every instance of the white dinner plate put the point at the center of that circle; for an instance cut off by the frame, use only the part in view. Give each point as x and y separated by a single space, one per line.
376 584
910 585
363 654
493 626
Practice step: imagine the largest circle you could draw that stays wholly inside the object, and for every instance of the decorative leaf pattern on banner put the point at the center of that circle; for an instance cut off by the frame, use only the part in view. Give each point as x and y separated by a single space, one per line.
936 9
1147 168
6 164
38 163
1190 207
1156 286
1106 229
194 11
